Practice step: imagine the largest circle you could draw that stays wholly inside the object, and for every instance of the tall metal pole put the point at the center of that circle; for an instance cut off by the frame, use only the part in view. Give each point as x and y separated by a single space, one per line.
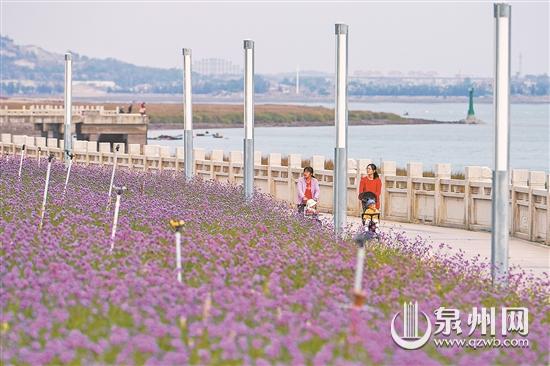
248 118
188 162
67 138
341 122
500 217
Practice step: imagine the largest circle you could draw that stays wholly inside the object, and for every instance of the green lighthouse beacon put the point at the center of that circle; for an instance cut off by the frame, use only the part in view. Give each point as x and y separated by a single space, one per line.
471 112
471 117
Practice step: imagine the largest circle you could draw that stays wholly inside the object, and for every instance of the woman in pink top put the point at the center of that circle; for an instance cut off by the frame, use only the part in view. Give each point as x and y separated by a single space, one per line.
308 188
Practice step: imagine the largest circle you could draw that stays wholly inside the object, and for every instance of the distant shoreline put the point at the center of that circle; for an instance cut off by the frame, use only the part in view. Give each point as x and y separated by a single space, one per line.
259 99
202 125
168 116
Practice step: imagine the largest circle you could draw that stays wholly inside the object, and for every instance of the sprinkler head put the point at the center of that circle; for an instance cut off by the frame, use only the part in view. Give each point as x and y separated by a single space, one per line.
120 190
69 154
39 149
23 147
50 158
360 238
177 224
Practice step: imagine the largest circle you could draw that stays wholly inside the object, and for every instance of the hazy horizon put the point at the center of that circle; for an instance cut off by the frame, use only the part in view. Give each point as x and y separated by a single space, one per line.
448 37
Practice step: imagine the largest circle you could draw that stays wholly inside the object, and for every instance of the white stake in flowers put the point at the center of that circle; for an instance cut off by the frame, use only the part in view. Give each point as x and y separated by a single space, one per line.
50 158
119 191
21 160
39 155
71 156
359 296
113 175
177 225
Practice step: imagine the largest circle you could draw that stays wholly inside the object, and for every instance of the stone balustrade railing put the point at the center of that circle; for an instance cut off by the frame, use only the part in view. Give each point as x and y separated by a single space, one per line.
438 200
54 110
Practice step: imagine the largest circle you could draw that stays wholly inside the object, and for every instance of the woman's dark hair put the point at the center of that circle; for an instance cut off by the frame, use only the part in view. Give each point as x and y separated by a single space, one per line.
310 170
373 167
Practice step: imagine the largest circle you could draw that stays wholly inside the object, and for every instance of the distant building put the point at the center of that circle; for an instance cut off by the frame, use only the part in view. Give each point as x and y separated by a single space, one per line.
99 84
367 73
216 66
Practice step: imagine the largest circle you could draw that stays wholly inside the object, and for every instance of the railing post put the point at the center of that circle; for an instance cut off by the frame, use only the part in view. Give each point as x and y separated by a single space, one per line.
414 170
531 216
274 159
387 169
470 173
442 171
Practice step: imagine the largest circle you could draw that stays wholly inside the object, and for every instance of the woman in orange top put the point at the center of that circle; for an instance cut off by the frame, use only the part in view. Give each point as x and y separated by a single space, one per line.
371 183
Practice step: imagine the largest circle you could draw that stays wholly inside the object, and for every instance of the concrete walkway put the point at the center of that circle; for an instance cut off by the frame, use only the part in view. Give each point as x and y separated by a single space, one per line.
530 256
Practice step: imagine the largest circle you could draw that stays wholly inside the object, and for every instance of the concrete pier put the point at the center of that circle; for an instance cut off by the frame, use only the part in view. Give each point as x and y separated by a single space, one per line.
92 123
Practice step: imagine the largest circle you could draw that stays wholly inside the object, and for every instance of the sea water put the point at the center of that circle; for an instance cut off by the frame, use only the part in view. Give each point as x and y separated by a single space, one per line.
458 144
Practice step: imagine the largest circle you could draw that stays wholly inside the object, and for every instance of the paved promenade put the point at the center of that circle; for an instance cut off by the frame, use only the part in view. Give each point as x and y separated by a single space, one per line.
528 255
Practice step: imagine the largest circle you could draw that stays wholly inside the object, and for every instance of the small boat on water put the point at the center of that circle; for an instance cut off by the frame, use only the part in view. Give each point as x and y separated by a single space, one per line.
166 137
217 136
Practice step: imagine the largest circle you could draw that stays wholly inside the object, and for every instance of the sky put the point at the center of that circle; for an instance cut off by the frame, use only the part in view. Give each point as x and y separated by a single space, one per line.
449 38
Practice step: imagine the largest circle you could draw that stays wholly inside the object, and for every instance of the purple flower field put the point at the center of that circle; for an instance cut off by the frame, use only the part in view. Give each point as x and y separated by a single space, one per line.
261 285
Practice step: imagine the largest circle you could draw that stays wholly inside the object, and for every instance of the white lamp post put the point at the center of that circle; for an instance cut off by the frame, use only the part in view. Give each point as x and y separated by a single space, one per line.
187 115
341 122
500 216
67 137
